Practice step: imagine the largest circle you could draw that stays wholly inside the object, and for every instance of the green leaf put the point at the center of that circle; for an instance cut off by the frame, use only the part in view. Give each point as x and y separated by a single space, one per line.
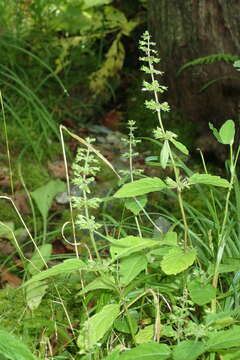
13 349
215 132
97 326
232 354
114 355
150 351
133 206
34 294
201 294
180 146
225 339
6 229
189 350
208 180
177 260
145 335
130 267
44 195
91 3
140 187
65 267
105 282
227 132
36 262
122 324
129 245
164 155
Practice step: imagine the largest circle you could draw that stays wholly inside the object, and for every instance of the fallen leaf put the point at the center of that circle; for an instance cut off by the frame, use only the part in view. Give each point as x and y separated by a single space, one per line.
20 201
11 279
57 169
5 247
113 119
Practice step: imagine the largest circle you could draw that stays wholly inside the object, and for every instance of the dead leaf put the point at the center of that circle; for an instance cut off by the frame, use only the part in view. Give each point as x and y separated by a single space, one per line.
57 169
113 120
11 279
20 201
5 247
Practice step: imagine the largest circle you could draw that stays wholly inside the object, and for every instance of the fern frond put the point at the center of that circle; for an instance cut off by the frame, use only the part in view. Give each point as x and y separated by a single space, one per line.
210 59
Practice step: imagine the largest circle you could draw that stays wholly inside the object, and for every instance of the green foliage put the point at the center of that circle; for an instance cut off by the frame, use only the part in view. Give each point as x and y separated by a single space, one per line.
141 290
13 349
210 59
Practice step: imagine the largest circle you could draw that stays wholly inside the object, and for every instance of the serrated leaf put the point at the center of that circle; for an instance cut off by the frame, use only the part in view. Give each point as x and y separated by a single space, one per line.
130 267
129 245
225 339
150 351
140 187
201 294
208 179
227 132
189 350
106 283
12 348
37 260
66 267
44 195
145 335
133 206
177 260
96 327
164 155
180 146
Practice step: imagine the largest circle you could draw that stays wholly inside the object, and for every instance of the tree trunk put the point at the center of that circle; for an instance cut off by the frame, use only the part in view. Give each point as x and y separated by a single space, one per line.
188 29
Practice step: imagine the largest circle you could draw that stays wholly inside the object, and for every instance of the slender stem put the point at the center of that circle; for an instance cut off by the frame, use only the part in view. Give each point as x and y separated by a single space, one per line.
69 191
222 236
176 173
7 144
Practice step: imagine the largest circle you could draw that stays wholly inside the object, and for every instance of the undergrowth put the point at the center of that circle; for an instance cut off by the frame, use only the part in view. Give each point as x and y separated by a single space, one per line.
145 283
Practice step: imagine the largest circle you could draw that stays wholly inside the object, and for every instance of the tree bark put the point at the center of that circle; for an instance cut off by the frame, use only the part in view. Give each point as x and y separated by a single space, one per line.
188 29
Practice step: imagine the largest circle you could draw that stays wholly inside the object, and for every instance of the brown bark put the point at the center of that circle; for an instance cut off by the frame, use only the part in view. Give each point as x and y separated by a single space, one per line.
188 29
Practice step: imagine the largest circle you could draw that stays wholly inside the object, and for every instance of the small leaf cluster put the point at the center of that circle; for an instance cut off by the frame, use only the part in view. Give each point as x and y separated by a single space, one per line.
85 169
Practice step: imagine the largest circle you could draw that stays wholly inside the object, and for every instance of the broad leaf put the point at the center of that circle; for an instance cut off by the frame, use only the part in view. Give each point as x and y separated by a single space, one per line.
180 146
227 132
96 327
189 350
34 294
44 195
129 245
150 351
13 349
133 206
130 267
208 180
225 339
164 155
140 187
66 267
38 258
201 294
106 283
177 260
122 324
145 335
114 355
91 3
